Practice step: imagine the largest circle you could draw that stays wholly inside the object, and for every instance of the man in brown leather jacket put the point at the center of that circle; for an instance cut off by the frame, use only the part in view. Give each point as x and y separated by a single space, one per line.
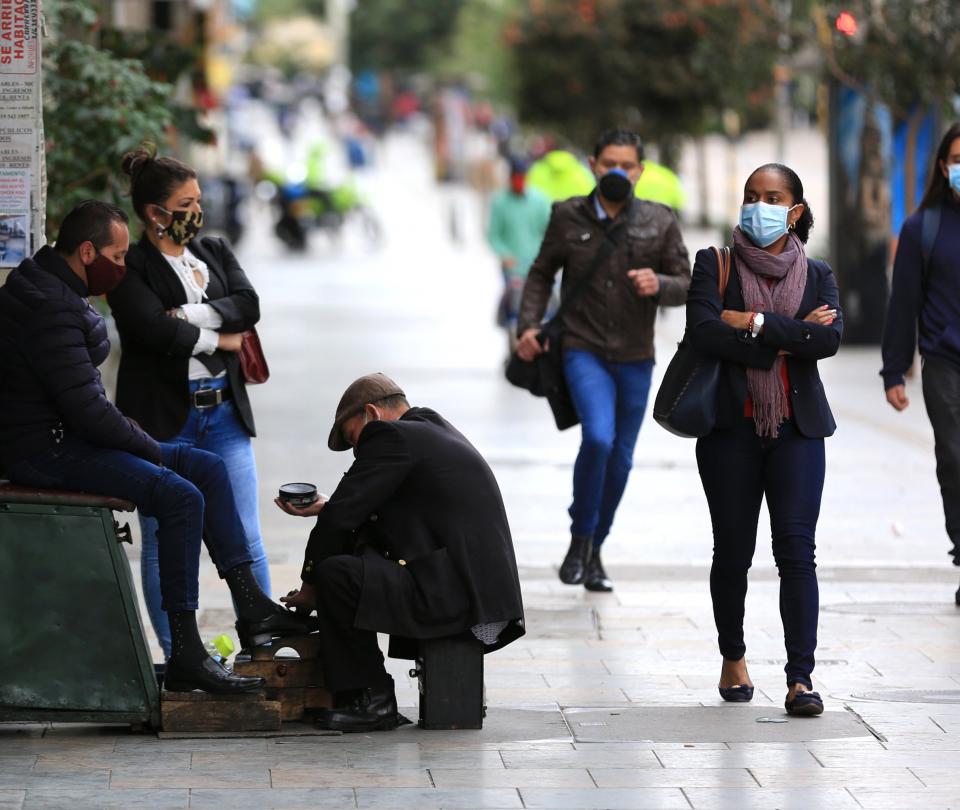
635 260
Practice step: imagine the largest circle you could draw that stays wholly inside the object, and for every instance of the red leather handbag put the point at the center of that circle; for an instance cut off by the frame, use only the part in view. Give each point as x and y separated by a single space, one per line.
253 364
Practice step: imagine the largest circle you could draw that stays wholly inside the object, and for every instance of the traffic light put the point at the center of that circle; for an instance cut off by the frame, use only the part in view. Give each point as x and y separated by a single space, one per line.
846 24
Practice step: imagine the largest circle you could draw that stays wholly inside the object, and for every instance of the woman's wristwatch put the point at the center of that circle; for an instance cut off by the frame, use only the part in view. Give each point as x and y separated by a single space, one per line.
756 324
179 313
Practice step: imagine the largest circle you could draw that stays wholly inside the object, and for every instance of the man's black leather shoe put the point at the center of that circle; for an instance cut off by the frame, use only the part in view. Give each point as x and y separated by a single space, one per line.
208 676
596 578
279 624
375 709
574 565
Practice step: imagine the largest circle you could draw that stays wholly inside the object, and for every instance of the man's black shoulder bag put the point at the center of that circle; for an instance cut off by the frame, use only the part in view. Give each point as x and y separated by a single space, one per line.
543 376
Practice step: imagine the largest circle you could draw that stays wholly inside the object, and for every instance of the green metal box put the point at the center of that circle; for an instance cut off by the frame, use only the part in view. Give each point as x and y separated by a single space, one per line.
72 646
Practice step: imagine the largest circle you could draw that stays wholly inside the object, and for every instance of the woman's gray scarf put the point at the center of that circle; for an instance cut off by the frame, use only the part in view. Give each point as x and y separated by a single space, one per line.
789 270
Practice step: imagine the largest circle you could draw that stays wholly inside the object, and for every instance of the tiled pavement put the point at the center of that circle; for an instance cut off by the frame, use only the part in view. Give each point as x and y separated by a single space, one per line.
610 700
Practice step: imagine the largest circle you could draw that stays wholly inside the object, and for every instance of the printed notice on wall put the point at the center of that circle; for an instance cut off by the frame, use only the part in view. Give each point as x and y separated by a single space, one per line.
14 215
21 131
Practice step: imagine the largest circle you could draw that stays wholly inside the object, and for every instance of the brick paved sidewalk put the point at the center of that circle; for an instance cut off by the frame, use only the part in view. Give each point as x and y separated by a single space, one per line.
610 700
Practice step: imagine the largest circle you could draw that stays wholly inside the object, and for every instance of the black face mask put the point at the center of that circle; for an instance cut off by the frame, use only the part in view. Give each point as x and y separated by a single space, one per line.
615 186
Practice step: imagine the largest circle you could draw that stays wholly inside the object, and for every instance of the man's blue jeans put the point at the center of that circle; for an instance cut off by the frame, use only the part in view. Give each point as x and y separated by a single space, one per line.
217 430
190 495
610 399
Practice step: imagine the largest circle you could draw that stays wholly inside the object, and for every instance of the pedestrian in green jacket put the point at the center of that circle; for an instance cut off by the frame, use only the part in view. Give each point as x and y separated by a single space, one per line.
518 220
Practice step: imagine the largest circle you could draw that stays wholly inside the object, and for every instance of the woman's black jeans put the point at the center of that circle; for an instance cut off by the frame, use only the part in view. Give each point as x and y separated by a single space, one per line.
738 469
941 394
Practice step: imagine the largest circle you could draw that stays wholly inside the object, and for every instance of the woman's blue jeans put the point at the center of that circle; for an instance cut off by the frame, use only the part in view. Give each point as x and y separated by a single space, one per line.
738 470
217 430
610 399
190 495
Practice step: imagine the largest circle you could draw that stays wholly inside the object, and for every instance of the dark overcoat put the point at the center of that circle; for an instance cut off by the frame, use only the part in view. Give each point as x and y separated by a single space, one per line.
423 510
152 384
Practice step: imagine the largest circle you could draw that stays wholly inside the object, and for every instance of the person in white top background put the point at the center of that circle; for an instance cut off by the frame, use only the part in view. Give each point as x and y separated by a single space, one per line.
181 312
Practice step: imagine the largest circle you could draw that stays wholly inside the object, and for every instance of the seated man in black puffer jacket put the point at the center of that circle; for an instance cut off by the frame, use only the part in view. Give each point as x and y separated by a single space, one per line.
58 430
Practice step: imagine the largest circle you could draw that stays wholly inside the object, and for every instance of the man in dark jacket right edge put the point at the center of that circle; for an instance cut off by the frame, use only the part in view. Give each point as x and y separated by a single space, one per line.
414 542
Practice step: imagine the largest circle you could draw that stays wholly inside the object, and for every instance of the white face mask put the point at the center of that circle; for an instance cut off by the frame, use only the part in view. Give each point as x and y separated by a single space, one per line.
953 172
764 223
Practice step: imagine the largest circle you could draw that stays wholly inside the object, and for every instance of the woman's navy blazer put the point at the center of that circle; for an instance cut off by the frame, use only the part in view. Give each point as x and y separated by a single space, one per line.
806 342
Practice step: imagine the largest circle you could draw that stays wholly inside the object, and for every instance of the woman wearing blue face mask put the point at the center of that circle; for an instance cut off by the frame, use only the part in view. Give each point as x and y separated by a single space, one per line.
925 302
779 315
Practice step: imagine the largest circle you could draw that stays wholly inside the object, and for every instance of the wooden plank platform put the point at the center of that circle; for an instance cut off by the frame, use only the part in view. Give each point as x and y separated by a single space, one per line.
296 682
203 712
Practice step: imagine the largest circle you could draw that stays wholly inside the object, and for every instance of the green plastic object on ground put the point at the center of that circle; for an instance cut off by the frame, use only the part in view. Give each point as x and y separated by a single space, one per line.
222 646
73 644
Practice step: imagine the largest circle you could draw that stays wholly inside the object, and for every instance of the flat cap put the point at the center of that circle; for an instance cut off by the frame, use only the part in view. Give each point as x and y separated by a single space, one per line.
370 388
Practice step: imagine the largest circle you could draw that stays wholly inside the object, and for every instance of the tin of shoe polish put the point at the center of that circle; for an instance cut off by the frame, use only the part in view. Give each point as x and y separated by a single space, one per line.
298 494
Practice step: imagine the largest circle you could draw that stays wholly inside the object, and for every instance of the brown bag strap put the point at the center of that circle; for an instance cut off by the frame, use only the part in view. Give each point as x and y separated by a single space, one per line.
723 265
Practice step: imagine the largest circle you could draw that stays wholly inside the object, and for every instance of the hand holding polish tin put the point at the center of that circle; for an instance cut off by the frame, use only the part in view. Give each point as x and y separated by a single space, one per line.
300 499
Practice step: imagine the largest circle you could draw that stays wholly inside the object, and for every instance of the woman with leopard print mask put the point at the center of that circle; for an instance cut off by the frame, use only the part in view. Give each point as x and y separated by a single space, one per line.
181 312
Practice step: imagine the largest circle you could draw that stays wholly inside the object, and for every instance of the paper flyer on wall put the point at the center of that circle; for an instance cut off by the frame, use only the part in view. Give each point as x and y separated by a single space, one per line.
14 216
21 131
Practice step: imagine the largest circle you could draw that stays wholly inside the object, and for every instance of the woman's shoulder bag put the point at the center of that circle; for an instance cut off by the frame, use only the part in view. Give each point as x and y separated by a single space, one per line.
686 403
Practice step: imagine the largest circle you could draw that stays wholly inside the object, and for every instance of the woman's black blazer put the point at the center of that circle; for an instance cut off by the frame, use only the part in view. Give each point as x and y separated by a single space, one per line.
806 342
152 384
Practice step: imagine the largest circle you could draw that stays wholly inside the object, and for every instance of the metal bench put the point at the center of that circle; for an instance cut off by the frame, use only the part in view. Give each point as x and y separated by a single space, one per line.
72 646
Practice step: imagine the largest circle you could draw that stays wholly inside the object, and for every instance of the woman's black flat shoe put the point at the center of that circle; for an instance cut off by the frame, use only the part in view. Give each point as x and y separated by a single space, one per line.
208 676
279 624
736 694
804 704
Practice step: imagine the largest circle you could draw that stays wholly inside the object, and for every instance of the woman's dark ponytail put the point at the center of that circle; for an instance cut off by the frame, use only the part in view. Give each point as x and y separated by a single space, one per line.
803 225
134 161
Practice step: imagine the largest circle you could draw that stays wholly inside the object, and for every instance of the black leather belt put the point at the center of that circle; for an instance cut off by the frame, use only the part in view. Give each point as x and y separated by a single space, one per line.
208 397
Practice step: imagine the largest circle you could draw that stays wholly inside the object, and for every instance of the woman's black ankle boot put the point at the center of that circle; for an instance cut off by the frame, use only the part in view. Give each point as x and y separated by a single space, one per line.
191 668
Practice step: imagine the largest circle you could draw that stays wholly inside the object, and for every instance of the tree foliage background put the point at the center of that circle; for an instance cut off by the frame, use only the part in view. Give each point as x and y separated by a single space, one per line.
103 95
668 67
905 53
401 35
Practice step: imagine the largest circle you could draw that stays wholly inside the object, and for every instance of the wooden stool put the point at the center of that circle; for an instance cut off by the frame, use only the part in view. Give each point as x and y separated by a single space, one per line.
295 681
450 675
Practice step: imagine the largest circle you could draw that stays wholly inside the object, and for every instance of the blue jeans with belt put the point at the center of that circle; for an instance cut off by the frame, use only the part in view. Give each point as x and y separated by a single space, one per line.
216 429
190 496
738 469
610 399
